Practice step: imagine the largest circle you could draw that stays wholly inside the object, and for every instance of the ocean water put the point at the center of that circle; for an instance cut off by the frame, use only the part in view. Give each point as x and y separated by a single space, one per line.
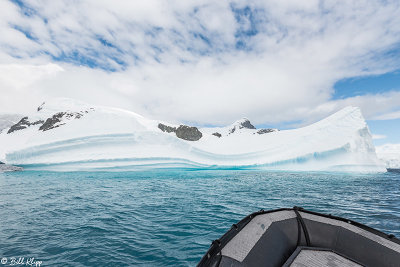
167 218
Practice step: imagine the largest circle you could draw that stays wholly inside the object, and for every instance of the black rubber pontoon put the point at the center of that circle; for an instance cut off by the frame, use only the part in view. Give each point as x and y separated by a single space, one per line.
297 237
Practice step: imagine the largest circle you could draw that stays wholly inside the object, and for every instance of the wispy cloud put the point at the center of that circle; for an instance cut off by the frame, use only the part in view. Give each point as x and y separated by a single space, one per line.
387 116
202 61
378 136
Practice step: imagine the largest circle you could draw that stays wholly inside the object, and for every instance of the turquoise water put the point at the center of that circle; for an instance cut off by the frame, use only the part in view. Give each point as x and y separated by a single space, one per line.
168 218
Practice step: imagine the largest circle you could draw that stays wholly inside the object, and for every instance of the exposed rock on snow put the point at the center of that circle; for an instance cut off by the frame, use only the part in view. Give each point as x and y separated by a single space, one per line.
217 134
264 131
188 133
183 131
57 120
109 138
23 124
7 120
54 121
240 124
245 123
166 128
41 106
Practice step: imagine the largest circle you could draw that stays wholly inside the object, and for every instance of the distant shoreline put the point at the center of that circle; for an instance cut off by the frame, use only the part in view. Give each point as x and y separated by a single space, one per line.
9 168
393 170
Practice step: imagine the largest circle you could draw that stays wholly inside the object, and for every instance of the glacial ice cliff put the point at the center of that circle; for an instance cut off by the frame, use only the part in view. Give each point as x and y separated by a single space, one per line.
69 135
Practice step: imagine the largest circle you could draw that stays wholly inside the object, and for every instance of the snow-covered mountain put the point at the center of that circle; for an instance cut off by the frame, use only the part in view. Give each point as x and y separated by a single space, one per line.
69 135
390 155
6 120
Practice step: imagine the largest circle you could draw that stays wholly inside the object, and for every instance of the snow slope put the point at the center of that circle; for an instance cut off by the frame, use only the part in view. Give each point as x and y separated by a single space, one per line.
69 135
390 155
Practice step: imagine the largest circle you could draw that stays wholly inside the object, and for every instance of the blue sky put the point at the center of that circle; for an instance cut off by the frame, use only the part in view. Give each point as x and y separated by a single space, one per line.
388 130
371 84
280 63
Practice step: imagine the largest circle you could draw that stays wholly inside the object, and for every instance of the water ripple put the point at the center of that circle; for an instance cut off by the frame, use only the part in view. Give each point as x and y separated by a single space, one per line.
170 218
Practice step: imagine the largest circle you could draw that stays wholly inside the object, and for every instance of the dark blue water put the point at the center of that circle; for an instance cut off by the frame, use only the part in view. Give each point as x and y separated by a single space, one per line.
168 218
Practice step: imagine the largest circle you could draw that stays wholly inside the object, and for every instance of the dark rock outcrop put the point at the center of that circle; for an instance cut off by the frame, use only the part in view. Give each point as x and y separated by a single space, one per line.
184 132
217 134
264 131
23 124
40 107
74 115
37 122
166 128
188 133
55 120
246 124
50 123
1 162
8 120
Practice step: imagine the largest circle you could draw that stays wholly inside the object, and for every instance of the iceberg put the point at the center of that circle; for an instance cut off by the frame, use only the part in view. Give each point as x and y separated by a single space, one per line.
389 154
67 135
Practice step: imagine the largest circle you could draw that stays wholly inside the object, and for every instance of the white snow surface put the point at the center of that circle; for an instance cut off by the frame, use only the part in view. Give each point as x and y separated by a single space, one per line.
105 138
389 154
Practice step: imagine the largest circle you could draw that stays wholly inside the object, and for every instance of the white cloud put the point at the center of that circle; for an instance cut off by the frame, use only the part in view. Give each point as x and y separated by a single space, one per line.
387 116
19 76
181 61
378 136
388 149
369 104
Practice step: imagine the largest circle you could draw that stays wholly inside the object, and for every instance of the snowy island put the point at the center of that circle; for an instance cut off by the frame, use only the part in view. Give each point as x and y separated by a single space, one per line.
67 135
